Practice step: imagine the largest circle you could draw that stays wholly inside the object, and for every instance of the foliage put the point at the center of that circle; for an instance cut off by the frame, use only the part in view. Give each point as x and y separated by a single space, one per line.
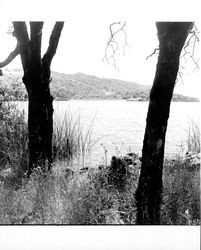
12 89
13 133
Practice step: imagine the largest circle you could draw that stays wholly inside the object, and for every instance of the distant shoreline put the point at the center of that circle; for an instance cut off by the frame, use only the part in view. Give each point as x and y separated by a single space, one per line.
80 86
114 99
101 99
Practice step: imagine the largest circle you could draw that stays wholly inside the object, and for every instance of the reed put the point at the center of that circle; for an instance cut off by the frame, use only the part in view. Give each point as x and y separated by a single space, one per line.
71 138
193 137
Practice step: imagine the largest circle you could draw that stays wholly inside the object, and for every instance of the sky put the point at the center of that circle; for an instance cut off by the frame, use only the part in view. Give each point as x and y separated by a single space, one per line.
86 32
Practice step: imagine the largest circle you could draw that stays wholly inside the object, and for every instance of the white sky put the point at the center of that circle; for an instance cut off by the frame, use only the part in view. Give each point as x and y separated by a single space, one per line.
86 31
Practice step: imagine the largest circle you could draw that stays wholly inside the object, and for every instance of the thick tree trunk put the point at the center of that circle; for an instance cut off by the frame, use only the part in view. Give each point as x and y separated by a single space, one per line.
37 79
40 127
40 119
172 37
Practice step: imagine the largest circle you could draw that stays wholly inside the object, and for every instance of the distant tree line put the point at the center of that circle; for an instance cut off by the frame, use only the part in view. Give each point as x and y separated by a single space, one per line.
64 87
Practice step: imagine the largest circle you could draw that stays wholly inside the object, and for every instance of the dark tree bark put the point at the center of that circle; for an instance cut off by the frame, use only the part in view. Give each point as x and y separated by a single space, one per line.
172 36
37 80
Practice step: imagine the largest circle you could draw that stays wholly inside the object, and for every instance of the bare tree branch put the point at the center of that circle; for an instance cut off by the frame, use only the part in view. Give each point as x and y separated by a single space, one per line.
10 29
153 53
188 51
113 46
190 45
180 75
53 43
11 57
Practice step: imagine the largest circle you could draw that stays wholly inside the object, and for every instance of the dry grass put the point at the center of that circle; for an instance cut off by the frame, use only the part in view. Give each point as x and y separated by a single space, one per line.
57 198
181 193
88 198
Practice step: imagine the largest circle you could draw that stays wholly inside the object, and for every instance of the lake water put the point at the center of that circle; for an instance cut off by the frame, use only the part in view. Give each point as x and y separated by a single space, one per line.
119 125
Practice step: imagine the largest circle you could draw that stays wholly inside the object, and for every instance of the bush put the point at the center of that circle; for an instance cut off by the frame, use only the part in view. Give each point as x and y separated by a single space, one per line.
13 134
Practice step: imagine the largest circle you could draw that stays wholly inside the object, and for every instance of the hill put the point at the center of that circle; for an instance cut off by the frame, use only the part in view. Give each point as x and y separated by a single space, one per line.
82 86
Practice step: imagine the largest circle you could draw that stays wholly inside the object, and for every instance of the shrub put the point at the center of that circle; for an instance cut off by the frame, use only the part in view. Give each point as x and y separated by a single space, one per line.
13 134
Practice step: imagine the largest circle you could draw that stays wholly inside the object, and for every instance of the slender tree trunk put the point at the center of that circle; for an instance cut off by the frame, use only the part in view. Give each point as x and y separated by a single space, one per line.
172 36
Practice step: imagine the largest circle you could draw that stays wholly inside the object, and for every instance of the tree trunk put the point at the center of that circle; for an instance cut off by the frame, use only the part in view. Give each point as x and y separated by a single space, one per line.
171 37
40 127
37 80
40 119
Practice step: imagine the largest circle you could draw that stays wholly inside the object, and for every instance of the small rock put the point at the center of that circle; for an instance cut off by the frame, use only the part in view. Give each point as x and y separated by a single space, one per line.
101 167
69 173
84 170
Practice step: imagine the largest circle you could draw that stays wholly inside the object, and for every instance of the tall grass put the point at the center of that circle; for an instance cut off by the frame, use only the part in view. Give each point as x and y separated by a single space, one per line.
193 138
181 181
56 199
88 198
192 141
181 193
71 138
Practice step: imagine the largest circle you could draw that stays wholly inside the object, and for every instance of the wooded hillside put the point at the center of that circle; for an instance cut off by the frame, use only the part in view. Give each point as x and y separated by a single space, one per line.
83 86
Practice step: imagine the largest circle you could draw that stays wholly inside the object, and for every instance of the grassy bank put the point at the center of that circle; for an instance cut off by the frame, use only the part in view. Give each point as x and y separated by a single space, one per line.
89 197
73 195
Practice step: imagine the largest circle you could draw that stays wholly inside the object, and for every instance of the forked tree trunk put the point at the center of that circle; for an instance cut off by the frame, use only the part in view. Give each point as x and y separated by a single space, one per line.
37 80
172 36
